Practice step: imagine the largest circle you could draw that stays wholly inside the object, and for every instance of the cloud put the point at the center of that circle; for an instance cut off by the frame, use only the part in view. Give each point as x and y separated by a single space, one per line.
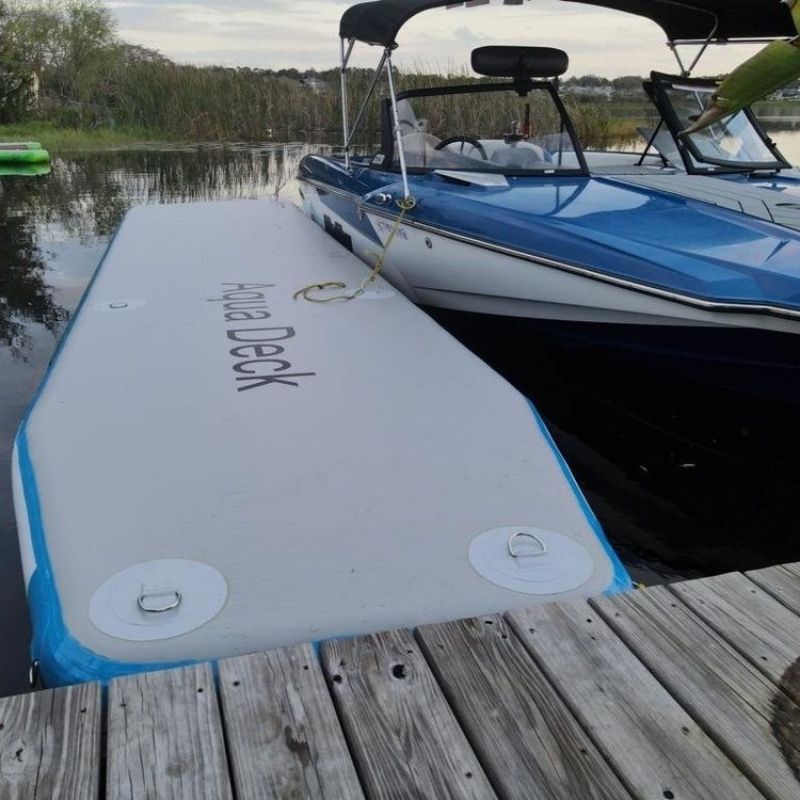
303 33
466 35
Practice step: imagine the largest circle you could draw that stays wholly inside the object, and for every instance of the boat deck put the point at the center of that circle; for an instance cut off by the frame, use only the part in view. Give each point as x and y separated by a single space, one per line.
686 691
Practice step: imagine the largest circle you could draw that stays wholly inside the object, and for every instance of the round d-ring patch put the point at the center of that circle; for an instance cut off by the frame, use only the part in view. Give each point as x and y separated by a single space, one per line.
530 560
158 600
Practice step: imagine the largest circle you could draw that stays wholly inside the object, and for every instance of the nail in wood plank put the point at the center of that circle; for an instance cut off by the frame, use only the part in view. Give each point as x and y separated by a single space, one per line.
653 744
402 733
165 737
528 741
761 628
50 744
726 694
782 581
284 738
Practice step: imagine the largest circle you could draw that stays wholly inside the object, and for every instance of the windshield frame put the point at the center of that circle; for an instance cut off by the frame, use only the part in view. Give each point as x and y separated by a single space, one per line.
693 157
388 162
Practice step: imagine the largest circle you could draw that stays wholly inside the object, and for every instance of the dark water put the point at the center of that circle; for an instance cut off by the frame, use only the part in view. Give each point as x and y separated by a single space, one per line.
687 479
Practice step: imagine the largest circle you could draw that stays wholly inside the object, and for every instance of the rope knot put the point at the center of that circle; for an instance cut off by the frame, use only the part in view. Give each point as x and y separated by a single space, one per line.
404 204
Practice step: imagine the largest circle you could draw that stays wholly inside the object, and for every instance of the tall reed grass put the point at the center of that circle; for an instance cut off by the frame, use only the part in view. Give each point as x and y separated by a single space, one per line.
193 103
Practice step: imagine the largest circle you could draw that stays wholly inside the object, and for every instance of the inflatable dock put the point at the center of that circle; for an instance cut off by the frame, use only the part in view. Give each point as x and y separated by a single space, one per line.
23 153
213 466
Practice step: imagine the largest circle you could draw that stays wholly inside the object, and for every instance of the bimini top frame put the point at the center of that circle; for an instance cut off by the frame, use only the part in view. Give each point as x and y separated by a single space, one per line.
384 64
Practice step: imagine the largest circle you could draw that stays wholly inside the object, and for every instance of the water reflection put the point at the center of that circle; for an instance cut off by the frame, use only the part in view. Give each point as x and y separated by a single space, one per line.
783 116
87 196
83 201
25 295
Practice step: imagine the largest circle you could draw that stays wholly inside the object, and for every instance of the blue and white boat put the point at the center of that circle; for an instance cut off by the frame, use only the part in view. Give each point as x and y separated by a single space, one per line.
689 247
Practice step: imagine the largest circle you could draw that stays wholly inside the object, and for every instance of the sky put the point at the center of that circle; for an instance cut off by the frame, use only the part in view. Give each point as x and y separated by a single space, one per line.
278 34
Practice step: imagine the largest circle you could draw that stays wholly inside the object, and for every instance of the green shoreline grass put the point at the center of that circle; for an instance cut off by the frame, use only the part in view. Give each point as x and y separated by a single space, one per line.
595 132
55 139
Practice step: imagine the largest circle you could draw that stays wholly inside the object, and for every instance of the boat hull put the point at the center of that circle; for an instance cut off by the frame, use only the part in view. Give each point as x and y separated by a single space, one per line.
762 364
443 269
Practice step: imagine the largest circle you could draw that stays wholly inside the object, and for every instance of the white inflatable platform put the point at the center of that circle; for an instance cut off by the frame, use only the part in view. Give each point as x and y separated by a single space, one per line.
212 467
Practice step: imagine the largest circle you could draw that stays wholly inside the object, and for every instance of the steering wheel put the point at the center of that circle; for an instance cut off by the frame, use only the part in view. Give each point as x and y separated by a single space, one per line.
464 140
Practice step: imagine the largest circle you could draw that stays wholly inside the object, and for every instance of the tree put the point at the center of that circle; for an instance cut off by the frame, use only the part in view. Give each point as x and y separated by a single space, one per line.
630 84
592 80
15 79
71 45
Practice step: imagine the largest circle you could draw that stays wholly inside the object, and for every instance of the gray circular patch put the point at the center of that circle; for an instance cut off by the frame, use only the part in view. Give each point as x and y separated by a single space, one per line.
157 599
530 560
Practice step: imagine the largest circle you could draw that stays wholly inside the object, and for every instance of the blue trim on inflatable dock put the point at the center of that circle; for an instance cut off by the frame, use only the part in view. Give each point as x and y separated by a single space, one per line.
621 581
62 659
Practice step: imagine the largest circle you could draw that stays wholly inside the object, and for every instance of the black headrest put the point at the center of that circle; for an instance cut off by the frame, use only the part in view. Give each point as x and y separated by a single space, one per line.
519 62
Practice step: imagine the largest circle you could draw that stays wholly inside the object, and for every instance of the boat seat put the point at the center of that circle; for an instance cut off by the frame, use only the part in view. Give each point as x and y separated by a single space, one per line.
530 156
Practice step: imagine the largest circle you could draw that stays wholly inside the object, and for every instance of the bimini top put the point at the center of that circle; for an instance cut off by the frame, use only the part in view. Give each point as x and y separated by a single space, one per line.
378 22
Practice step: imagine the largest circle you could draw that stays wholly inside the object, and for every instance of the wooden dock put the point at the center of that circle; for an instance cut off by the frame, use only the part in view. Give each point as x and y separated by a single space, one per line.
687 691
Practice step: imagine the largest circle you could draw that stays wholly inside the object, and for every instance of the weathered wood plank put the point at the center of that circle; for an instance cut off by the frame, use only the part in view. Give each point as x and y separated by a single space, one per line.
782 581
165 737
284 738
402 733
727 695
653 744
528 741
50 744
761 628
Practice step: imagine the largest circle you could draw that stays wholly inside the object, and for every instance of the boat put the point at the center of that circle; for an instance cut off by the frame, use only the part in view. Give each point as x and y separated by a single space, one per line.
22 153
215 464
689 248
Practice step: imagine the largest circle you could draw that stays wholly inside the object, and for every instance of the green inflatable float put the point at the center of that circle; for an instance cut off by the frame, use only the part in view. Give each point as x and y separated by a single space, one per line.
22 153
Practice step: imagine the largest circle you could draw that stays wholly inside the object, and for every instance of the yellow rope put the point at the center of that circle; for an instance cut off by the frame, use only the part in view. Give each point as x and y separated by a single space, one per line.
405 204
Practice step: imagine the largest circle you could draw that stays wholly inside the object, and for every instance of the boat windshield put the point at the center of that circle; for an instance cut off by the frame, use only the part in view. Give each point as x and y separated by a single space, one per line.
733 142
488 129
